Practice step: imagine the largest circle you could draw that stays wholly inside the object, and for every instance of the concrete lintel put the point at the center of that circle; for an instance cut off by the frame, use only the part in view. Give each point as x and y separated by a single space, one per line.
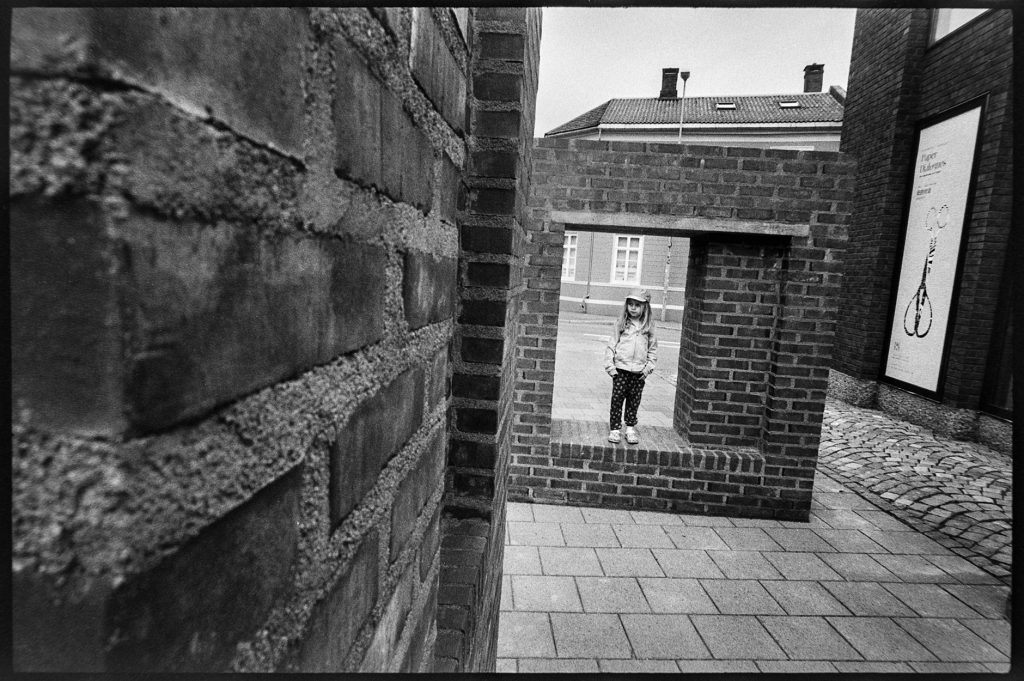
681 226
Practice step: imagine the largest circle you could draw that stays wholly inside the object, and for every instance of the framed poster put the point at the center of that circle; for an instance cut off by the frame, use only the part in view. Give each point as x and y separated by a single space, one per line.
933 234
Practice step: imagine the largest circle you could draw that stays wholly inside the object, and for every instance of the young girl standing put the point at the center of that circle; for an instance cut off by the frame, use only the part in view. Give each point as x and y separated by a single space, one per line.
629 359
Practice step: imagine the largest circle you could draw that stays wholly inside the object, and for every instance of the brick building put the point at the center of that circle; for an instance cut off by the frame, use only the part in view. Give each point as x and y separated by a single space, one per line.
265 270
600 268
924 328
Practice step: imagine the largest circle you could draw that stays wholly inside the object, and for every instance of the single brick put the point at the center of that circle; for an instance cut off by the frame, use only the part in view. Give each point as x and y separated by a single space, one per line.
374 433
414 491
252 311
338 617
482 350
503 124
66 333
472 454
476 420
448 190
473 485
407 156
492 201
500 87
428 288
436 70
505 46
438 380
188 613
357 119
485 239
484 312
493 163
431 543
476 387
494 275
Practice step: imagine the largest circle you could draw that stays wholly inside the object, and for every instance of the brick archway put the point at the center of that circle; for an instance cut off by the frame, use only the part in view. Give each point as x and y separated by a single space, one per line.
764 227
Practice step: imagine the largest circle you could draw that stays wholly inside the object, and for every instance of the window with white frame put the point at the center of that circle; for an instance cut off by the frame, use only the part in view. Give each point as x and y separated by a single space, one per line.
569 246
626 259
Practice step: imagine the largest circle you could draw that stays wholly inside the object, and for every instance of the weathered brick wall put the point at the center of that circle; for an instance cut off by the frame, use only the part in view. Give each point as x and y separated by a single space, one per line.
896 80
947 79
878 131
766 228
502 95
234 248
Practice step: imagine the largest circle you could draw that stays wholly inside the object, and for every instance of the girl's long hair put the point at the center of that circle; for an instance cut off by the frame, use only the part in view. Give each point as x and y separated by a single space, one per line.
646 323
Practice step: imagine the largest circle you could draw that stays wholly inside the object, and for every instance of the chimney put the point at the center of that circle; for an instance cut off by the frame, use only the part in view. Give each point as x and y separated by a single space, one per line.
668 83
814 74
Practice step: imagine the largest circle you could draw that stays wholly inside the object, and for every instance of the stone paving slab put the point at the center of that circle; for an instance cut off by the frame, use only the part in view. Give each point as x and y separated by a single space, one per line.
744 565
809 638
741 597
664 637
737 638
611 594
879 638
949 640
558 560
804 598
545 594
802 605
590 635
681 596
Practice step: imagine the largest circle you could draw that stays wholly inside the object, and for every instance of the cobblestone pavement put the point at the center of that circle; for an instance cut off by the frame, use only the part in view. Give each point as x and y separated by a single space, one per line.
958 493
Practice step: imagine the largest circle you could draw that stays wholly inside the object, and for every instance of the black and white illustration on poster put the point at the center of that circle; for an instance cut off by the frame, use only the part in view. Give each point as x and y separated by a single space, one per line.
931 251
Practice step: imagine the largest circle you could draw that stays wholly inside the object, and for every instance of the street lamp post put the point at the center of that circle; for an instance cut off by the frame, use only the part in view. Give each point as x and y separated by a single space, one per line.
684 75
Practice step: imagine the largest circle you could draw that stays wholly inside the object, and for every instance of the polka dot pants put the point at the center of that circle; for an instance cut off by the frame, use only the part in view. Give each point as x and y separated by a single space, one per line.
628 386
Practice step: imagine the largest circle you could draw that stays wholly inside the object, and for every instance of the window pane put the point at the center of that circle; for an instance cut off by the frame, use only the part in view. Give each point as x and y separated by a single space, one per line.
948 19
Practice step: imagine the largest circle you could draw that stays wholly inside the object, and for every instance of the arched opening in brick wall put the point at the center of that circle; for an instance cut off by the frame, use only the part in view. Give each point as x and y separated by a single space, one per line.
755 334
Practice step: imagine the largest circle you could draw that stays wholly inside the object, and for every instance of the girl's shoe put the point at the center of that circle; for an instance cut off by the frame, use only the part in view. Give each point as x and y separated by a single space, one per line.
631 435
613 436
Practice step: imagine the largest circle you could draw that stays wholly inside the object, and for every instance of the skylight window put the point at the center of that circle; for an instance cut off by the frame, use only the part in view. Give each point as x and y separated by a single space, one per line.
789 104
725 105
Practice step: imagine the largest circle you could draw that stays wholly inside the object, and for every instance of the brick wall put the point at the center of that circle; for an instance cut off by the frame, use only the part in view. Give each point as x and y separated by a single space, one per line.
896 80
235 253
664 473
766 228
877 131
502 94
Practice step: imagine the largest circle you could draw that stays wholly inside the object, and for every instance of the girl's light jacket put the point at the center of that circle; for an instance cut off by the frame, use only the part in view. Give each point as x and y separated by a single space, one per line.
631 351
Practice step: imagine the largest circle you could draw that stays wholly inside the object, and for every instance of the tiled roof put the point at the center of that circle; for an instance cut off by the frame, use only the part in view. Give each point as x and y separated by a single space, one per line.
815 107
587 120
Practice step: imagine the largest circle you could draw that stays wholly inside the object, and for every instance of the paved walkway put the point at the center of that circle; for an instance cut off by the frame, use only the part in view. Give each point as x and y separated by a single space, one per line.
902 567
958 493
601 590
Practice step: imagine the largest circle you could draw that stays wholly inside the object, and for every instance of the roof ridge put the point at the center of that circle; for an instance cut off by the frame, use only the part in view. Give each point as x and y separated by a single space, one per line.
676 99
815 107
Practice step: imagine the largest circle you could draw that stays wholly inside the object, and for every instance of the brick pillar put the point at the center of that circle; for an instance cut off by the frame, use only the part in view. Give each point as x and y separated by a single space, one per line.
504 44
732 299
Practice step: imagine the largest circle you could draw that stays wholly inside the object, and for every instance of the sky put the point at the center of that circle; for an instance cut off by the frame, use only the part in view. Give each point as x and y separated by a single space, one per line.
590 55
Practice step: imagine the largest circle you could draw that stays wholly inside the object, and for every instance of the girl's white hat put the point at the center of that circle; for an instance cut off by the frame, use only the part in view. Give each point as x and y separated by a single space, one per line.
640 294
